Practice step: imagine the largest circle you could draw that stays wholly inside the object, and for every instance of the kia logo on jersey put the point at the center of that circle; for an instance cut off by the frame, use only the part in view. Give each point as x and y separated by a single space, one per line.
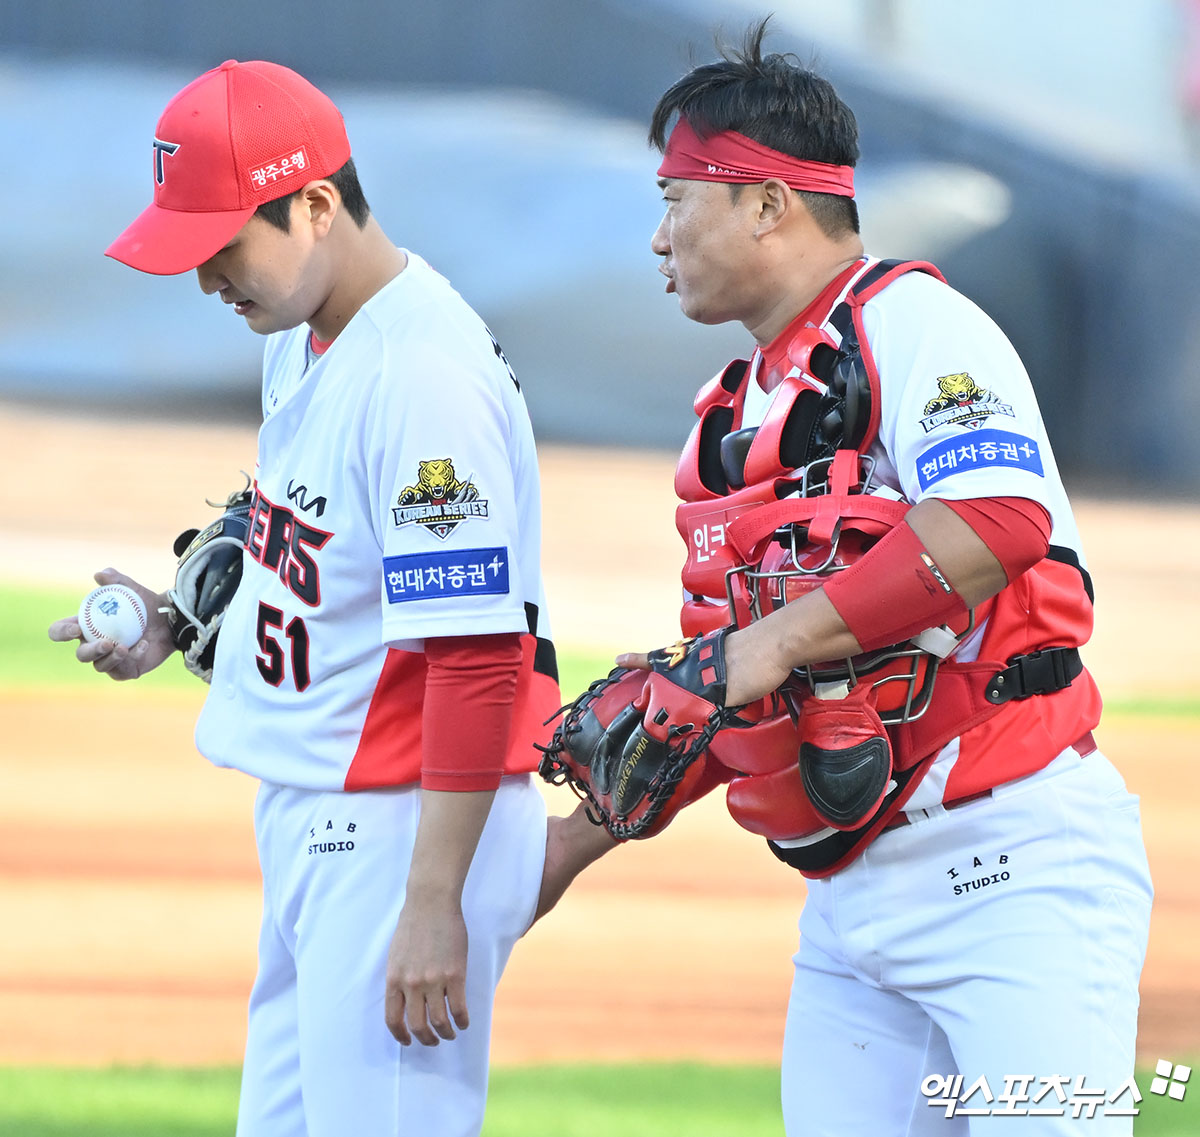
299 495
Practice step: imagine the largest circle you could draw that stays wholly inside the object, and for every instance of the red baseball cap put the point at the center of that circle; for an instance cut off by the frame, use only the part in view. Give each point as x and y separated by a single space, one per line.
240 135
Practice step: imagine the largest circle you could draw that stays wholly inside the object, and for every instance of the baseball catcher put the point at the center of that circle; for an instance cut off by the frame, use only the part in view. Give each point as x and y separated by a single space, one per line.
634 744
206 577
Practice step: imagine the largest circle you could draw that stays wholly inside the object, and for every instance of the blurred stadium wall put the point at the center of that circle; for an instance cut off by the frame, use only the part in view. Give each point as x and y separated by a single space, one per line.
1032 151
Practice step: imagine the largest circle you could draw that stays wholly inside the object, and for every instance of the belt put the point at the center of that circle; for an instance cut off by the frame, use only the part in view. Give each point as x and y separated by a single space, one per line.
1082 746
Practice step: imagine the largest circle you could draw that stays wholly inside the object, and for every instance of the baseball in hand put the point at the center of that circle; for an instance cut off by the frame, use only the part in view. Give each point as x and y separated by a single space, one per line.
113 612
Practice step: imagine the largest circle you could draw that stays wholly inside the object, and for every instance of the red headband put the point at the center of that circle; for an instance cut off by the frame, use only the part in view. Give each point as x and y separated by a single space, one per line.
731 157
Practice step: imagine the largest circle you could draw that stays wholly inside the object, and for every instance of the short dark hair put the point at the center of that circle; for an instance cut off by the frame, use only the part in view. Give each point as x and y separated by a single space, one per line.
777 102
278 212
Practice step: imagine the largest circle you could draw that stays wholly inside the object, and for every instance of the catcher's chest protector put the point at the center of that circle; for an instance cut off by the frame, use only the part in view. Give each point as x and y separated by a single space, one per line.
799 466
803 466
828 401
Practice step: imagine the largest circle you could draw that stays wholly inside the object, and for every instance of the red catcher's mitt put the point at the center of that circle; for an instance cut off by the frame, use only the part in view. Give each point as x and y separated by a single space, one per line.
633 744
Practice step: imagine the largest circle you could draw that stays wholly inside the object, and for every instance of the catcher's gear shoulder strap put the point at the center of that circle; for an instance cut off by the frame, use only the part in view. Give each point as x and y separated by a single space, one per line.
805 423
853 377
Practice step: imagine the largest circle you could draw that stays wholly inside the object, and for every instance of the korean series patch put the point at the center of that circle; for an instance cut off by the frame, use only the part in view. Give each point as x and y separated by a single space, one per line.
439 501
960 401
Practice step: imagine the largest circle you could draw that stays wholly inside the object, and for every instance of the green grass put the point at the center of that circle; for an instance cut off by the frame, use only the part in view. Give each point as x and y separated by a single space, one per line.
649 1100
121 1102
646 1100
28 659
576 670
1158 707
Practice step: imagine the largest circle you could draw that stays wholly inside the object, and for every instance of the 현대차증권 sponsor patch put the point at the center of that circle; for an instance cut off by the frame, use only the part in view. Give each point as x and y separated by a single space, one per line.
439 501
985 449
435 575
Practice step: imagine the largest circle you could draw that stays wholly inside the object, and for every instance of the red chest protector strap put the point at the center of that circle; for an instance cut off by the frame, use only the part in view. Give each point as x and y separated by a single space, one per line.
847 320
832 403
821 516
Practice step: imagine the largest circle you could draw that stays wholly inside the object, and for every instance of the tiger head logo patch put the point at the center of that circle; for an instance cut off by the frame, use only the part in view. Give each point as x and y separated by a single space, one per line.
960 401
439 501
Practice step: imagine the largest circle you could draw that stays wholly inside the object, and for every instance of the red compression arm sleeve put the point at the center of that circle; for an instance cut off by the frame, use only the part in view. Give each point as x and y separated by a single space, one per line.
894 592
897 590
1015 529
470 685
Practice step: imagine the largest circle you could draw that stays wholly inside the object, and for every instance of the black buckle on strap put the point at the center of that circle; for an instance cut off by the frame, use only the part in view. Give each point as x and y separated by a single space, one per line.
1038 673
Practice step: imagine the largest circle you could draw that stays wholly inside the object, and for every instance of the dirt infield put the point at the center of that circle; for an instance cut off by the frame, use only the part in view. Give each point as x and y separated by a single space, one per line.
128 879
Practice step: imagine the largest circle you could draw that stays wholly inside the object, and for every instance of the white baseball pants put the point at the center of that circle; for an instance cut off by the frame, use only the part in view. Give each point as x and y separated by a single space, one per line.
320 1061
1001 939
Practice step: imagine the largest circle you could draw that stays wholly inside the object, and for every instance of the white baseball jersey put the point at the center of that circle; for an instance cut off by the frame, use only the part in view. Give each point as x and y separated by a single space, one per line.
967 423
396 499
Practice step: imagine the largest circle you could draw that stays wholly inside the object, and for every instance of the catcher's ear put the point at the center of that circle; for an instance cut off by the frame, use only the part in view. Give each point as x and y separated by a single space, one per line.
774 202
184 540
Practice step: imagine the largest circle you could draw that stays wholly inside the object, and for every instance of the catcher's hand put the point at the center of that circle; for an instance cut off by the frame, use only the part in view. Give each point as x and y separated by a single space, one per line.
207 576
633 744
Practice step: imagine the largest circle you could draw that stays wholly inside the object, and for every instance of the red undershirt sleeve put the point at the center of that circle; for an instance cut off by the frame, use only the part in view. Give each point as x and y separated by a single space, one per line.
470 685
1015 529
